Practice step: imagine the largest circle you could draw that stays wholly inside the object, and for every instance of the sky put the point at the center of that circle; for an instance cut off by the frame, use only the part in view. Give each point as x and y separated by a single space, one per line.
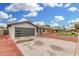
53 14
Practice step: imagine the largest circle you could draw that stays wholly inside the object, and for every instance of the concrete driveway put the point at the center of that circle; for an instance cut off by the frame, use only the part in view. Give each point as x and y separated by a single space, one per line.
39 46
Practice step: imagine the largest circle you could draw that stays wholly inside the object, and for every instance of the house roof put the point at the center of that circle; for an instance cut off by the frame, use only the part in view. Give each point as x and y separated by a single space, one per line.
9 24
44 27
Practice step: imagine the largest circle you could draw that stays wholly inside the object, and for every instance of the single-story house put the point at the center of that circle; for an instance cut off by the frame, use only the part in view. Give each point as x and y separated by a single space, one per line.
21 29
44 29
4 31
59 30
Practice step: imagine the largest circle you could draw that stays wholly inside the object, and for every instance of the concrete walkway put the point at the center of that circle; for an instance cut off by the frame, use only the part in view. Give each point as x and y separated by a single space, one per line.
39 46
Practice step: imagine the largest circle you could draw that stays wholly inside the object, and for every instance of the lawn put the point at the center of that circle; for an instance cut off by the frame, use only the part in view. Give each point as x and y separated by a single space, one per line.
68 34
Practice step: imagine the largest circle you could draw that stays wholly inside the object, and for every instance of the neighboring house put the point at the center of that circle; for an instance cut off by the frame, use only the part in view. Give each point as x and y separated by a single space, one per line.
59 30
48 29
71 28
1 30
4 31
21 29
44 29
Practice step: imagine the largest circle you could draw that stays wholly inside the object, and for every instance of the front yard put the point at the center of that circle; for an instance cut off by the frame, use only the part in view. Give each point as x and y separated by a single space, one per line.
8 47
50 44
68 34
60 36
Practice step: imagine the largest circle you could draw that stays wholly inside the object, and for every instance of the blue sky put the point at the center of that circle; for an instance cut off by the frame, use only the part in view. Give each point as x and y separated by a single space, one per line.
43 13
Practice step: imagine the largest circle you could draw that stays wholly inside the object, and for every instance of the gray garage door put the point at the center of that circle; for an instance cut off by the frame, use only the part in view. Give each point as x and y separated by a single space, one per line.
20 32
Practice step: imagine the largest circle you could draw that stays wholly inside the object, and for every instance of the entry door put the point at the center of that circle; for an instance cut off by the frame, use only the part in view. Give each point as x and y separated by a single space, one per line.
19 32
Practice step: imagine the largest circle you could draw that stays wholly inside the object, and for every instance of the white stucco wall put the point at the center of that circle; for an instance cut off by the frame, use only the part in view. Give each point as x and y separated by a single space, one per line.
24 25
12 32
1 31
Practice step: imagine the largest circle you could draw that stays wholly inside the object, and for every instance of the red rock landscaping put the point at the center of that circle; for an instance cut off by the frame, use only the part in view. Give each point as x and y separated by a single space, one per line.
60 37
8 47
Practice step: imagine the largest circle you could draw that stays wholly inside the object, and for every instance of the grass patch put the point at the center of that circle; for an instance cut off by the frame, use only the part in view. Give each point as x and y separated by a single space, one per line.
68 34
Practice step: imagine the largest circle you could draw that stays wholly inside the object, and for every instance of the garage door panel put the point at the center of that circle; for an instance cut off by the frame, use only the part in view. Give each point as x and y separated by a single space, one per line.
19 32
28 32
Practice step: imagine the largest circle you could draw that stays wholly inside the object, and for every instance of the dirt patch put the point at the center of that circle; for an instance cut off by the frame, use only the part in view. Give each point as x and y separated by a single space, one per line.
57 48
39 43
22 41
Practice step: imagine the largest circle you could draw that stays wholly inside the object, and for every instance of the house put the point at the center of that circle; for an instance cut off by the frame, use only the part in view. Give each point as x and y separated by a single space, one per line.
71 27
44 29
59 29
21 29
3 31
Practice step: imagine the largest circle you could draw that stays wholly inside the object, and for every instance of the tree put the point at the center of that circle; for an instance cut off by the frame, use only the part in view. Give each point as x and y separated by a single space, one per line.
76 25
47 25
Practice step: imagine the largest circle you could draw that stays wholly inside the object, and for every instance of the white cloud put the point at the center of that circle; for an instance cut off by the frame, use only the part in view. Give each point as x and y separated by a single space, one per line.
73 21
39 23
11 20
37 9
51 21
54 25
51 25
67 5
10 16
23 19
32 7
59 18
56 5
3 15
53 4
73 9
59 4
31 14
24 6
3 24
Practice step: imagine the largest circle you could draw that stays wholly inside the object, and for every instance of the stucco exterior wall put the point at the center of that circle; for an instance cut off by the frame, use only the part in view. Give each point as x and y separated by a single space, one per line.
1 31
23 25
12 32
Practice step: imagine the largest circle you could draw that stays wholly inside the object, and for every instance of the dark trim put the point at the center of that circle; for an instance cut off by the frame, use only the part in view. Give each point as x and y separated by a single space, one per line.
20 23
